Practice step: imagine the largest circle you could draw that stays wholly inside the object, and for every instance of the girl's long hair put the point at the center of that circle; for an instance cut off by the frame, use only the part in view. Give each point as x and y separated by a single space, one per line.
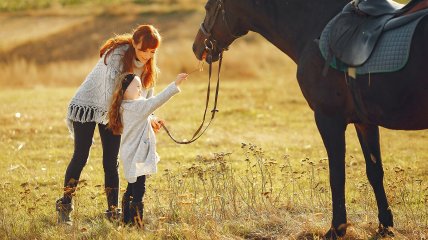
150 38
115 123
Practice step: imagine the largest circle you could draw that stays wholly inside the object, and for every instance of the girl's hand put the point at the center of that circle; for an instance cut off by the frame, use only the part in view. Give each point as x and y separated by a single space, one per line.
157 124
180 78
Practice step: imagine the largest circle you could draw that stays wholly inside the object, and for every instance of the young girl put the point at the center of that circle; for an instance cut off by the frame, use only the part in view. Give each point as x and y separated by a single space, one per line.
130 115
134 53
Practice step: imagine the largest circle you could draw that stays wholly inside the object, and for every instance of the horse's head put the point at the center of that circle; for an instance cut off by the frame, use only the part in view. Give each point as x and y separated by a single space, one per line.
221 26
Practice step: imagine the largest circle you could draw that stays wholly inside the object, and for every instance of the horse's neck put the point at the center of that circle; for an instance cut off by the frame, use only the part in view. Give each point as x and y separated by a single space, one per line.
290 24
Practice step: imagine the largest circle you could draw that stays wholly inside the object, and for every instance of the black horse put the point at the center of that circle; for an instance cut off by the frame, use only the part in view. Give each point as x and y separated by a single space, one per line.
396 100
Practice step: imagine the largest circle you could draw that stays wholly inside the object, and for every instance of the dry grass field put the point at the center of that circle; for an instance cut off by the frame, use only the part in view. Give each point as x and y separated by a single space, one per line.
259 172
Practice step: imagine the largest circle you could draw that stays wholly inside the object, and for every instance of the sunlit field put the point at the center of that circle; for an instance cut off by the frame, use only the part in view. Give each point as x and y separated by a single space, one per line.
259 172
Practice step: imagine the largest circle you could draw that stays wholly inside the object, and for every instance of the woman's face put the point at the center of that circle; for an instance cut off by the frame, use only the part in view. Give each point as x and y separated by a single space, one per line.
143 56
134 89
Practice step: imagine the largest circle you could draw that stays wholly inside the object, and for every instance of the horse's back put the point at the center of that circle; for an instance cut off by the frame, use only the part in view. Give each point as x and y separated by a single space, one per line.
395 100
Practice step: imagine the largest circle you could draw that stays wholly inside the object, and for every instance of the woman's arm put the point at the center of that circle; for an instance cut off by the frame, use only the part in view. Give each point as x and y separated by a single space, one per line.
114 66
114 60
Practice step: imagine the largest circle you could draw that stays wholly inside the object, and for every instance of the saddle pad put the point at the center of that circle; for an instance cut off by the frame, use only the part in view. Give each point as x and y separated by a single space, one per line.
390 54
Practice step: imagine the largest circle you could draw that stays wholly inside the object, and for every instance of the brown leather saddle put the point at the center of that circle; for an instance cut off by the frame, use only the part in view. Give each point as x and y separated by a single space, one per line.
356 30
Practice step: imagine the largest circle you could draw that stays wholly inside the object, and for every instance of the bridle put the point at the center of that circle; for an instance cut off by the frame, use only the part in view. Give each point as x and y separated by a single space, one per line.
206 28
210 44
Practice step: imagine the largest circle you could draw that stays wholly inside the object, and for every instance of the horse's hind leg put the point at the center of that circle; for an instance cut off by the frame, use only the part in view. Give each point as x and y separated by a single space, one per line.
369 140
332 130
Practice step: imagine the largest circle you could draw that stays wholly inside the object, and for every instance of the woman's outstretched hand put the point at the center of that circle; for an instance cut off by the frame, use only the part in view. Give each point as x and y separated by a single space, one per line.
180 78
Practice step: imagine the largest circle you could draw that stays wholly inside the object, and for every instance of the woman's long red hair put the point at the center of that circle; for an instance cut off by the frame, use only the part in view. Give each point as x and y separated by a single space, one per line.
150 38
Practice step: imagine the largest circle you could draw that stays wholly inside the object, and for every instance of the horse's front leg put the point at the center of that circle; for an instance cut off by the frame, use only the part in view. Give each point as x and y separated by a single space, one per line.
369 140
332 130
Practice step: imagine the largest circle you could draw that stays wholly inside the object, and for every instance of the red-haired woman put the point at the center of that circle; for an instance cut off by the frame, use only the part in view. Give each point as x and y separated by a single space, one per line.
132 53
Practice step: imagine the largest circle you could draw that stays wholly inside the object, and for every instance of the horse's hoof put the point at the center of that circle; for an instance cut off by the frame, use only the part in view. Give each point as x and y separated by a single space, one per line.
334 233
383 231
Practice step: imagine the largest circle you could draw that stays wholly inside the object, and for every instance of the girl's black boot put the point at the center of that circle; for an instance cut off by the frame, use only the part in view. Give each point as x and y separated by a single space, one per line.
136 213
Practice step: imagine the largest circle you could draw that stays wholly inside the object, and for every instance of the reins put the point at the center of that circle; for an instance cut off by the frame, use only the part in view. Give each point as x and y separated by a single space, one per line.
210 45
198 133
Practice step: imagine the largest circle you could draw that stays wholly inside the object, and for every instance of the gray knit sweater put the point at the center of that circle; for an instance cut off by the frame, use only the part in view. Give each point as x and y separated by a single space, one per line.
92 99
138 144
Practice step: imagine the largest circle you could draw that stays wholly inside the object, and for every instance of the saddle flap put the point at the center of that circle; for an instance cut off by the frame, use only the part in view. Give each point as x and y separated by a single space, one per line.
353 37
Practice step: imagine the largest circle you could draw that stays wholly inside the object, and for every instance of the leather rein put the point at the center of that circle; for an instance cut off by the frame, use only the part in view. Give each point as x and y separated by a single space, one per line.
198 133
210 45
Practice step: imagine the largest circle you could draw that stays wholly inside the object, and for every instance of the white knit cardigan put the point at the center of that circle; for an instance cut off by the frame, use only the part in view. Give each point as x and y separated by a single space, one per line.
92 99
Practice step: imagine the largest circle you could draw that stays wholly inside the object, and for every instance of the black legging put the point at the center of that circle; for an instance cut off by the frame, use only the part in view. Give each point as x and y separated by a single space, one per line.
83 134
136 190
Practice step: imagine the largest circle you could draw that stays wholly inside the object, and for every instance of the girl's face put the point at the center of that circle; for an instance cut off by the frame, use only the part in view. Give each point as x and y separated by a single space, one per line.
134 89
143 56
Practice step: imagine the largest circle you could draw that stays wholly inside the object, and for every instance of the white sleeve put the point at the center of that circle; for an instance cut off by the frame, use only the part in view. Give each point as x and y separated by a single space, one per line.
149 105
